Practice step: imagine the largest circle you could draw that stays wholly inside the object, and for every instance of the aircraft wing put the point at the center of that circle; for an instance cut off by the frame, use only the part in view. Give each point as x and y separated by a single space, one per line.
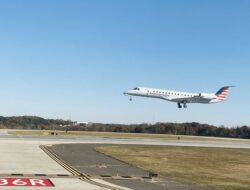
187 100
198 97
191 99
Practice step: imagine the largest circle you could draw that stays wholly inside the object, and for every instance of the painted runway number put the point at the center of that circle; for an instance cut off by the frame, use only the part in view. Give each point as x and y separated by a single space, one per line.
26 182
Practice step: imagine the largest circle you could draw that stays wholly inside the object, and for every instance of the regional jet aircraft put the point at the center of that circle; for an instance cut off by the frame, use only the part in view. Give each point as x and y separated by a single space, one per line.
181 98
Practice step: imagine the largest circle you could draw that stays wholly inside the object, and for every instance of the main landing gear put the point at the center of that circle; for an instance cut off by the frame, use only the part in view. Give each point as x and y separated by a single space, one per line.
180 106
130 98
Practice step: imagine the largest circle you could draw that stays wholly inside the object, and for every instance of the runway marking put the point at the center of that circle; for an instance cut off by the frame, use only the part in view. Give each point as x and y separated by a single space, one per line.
21 182
88 178
81 176
6 175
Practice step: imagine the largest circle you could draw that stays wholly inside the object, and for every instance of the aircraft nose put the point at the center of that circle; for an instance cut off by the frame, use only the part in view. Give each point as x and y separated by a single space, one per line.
125 93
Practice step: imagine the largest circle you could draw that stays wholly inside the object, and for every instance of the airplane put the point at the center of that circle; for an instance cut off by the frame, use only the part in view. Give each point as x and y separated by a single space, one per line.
181 98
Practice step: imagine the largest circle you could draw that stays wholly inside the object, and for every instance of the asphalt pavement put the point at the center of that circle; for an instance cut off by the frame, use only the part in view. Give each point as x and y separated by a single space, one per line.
22 158
87 160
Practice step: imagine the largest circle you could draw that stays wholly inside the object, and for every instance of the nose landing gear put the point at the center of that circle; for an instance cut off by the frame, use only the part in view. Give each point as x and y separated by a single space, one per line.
130 98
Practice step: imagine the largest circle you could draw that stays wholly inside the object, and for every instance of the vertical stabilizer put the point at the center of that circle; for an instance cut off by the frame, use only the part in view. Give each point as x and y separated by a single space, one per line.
222 93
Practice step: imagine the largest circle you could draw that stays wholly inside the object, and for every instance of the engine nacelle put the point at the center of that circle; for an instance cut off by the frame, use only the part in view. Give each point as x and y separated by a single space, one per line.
207 96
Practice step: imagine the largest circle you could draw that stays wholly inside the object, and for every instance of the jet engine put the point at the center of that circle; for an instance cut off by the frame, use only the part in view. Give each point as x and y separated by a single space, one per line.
207 96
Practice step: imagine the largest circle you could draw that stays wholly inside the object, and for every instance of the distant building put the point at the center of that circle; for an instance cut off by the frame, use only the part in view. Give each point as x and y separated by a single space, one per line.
81 124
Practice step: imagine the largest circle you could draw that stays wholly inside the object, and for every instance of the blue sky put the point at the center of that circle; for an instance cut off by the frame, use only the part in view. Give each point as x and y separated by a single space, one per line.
73 59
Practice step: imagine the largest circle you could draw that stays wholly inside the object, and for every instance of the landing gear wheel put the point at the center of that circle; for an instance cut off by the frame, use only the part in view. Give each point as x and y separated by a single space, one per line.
179 105
130 99
185 105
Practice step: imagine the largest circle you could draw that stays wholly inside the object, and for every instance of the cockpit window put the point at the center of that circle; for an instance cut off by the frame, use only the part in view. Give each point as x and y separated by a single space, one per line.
136 88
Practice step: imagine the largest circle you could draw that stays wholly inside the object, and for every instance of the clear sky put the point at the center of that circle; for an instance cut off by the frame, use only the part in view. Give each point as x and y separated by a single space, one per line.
73 59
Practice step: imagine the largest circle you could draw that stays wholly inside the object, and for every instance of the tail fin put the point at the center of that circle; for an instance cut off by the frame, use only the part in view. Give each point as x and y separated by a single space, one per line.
222 93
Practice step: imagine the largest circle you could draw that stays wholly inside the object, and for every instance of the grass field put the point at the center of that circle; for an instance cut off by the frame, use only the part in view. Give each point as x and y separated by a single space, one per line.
122 135
222 169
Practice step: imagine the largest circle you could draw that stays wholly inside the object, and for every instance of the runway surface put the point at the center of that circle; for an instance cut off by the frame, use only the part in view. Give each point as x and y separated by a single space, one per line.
21 155
85 159
109 140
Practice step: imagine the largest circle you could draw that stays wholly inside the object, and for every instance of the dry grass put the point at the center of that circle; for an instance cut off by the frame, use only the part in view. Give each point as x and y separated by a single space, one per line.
223 169
123 135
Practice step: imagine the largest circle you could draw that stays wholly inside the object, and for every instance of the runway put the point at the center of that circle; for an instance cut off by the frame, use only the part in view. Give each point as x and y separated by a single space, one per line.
22 157
234 143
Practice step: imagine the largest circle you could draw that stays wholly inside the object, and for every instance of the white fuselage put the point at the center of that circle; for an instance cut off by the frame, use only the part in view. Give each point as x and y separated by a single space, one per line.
174 96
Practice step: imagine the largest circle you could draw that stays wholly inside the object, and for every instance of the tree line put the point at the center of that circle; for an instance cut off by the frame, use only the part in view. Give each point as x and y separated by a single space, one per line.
31 122
193 128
